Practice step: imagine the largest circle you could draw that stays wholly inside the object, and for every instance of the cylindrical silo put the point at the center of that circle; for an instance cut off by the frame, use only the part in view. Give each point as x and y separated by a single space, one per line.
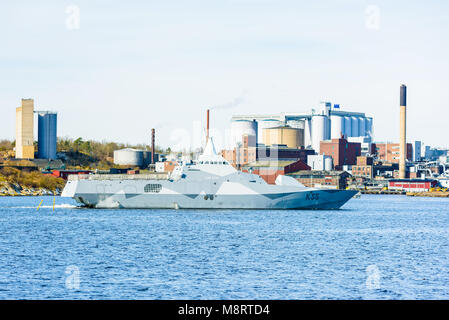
46 136
362 126
128 157
369 127
328 163
348 127
319 123
327 133
337 126
291 137
267 123
307 133
240 128
354 126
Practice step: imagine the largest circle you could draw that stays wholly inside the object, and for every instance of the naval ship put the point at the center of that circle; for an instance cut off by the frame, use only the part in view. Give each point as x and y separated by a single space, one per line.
208 183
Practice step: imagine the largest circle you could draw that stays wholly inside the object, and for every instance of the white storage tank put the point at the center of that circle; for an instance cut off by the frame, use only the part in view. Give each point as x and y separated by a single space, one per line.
354 127
319 127
128 157
240 128
362 126
337 126
307 133
264 124
328 163
348 126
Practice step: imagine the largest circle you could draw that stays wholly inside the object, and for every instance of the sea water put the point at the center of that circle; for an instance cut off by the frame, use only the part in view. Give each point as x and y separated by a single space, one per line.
375 247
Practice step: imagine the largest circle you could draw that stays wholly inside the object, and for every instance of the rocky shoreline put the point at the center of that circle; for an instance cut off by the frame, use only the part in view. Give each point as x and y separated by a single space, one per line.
14 189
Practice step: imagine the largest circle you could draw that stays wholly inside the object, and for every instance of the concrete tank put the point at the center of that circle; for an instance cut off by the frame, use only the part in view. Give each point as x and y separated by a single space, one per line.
128 157
292 137
348 126
267 123
337 126
240 128
369 127
354 126
46 135
319 127
307 133
362 126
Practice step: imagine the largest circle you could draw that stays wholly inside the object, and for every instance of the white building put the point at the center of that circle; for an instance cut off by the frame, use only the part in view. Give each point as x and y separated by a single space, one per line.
320 162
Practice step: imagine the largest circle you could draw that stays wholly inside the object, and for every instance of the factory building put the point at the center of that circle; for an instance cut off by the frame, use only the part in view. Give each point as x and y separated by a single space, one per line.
390 152
25 130
47 135
326 123
341 151
364 167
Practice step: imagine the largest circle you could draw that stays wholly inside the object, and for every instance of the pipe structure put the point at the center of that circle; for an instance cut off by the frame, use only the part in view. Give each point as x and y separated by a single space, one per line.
402 133
153 133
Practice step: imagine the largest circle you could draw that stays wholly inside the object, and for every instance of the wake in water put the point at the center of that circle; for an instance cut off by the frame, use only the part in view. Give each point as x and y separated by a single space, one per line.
57 206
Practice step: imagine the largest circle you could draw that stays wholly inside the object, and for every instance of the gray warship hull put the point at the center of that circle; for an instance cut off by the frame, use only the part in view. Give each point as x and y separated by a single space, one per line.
235 191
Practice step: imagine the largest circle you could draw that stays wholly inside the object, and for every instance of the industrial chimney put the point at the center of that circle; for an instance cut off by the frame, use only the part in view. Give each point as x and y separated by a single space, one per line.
152 145
207 126
402 134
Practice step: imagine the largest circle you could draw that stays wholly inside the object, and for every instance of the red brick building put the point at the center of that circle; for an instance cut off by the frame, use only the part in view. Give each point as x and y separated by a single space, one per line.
341 151
389 152
364 167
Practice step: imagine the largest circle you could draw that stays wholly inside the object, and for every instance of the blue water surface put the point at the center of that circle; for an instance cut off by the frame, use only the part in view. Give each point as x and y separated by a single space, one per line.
376 247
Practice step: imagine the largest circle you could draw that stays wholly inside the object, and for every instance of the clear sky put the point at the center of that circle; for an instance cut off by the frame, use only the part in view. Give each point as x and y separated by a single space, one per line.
120 68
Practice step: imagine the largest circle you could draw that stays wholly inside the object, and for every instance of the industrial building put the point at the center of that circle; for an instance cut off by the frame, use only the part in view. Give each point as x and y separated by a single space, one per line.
390 152
412 185
47 134
320 162
341 151
364 167
25 130
328 122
